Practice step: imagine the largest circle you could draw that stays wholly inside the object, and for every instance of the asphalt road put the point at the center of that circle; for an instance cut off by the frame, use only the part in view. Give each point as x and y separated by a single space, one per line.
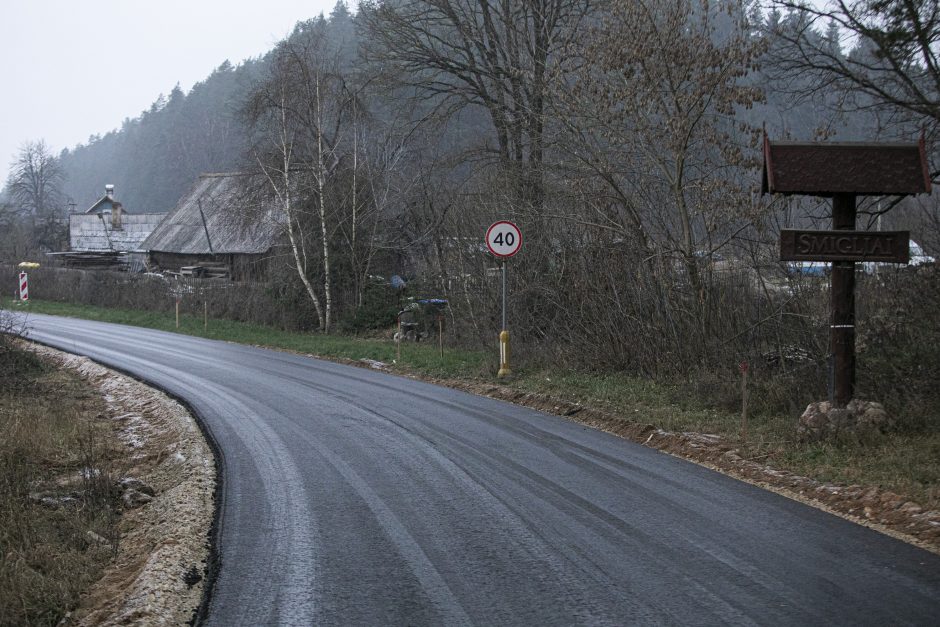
357 498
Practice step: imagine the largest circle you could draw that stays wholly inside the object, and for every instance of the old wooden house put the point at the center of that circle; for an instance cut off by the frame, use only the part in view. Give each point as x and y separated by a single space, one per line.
106 235
220 228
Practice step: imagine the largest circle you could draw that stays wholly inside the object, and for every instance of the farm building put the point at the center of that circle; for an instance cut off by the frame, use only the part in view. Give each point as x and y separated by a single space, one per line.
219 228
107 235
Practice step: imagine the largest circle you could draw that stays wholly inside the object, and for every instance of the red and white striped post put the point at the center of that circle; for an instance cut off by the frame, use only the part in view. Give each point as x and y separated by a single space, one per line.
24 286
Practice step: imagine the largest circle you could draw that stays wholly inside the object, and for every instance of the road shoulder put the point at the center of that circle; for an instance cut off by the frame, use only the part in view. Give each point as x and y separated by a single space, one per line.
159 570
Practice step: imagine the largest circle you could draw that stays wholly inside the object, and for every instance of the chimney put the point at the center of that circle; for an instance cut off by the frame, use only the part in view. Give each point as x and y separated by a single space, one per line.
109 191
116 217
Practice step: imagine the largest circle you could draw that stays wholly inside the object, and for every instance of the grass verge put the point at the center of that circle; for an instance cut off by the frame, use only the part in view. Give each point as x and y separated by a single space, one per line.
906 463
58 505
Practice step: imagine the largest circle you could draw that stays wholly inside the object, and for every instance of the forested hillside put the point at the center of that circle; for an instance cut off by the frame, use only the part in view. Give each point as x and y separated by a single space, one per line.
154 157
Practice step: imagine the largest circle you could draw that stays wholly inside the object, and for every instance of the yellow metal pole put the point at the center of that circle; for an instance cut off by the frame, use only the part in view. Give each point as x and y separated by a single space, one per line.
503 354
504 370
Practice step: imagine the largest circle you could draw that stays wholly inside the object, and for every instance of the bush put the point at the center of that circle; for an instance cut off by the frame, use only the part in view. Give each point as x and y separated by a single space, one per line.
17 367
378 310
899 331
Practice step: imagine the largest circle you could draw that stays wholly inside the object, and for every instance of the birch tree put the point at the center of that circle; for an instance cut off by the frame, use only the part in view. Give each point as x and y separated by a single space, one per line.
329 163
297 116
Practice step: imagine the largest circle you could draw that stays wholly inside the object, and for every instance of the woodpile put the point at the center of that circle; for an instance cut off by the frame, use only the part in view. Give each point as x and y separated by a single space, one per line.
93 260
207 271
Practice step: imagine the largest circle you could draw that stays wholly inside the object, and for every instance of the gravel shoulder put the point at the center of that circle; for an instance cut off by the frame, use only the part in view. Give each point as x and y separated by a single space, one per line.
159 571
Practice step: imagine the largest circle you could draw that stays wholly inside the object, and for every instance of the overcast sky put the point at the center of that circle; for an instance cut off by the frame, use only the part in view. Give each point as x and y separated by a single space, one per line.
73 68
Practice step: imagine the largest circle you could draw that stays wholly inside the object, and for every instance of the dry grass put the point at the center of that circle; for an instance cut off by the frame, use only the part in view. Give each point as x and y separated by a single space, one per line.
903 463
907 463
52 446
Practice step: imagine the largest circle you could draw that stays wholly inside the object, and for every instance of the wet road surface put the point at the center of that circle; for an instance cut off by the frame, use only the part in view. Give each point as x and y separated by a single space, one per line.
358 498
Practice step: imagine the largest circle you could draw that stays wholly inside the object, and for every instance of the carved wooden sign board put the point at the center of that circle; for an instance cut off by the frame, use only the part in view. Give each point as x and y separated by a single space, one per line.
882 246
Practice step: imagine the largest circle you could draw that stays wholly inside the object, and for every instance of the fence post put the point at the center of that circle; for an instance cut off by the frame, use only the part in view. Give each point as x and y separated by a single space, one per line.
744 368
440 333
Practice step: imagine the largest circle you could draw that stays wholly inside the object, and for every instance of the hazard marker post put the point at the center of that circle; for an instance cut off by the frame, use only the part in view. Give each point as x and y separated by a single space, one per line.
24 286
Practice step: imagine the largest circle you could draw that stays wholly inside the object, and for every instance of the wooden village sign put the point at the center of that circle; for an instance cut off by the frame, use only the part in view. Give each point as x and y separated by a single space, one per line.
842 171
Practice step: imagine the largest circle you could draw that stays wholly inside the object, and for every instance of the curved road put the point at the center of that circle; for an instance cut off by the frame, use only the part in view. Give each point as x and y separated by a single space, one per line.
356 497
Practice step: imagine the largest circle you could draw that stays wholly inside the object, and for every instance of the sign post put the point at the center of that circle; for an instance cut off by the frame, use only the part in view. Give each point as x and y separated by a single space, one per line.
842 172
504 239
842 332
24 286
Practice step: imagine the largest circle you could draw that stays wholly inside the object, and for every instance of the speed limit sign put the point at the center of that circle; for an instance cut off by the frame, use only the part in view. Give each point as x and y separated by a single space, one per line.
504 238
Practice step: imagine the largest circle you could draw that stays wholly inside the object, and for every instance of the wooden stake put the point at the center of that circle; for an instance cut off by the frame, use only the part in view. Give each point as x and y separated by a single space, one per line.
398 343
744 368
440 333
205 315
177 313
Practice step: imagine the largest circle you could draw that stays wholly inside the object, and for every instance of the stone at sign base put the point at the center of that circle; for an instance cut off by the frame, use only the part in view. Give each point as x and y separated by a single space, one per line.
822 421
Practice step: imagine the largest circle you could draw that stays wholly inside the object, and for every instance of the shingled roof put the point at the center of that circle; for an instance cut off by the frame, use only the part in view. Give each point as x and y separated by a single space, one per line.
237 221
827 169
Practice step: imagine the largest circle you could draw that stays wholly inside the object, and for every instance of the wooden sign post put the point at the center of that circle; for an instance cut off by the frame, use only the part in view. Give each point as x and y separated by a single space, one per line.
843 172
842 306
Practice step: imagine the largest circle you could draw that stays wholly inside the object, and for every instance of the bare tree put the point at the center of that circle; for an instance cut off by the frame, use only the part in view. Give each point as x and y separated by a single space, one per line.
295 149
496 54
35 179
895 57
34 189
652 119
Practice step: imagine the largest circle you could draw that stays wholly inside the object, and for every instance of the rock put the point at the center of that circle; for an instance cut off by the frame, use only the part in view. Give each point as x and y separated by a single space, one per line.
95 538
132 483
822 421
192 576
53 500
814 421
372 363
911 508
133 499
37 497
870 416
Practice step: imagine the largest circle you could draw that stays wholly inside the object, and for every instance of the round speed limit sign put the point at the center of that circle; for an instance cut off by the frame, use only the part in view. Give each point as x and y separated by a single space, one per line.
504 238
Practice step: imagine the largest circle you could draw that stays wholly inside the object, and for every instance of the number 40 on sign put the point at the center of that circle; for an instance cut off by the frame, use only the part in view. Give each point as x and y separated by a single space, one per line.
504 239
